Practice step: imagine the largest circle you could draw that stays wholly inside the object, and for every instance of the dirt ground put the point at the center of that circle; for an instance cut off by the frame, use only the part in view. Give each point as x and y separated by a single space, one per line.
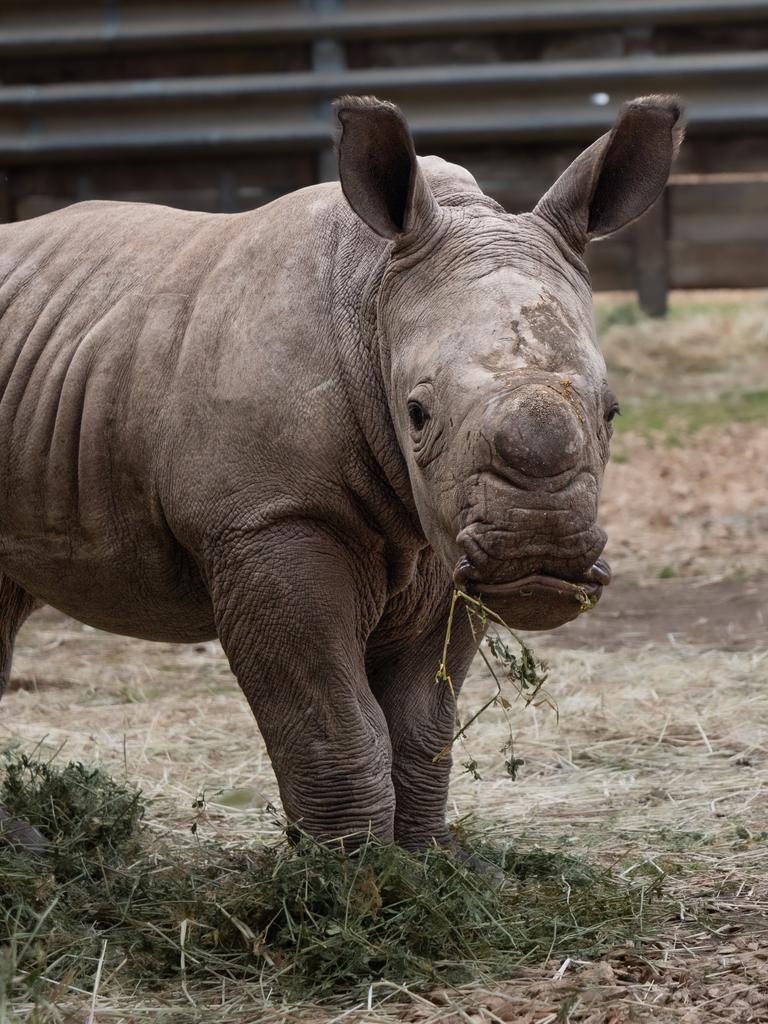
657 758
725 614
699 507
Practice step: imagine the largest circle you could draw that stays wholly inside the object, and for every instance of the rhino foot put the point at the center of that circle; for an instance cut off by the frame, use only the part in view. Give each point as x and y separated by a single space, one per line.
22 836
490 873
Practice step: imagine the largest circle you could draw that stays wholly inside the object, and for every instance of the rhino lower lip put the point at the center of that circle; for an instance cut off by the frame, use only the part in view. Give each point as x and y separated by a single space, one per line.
591 583
553 583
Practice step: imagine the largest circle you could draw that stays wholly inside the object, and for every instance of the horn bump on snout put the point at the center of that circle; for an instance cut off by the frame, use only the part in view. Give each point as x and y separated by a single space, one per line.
540 434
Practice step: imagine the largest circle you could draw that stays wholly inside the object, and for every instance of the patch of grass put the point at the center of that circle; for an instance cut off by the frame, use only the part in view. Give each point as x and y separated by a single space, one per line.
673 418
703 346
681 309
304 922
624 314
79 809
683 840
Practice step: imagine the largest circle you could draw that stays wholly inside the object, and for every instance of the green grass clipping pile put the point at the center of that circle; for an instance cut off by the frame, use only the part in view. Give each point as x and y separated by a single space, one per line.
302 921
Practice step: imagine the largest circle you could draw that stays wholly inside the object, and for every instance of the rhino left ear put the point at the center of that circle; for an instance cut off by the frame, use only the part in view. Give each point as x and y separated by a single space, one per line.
378 169
620 176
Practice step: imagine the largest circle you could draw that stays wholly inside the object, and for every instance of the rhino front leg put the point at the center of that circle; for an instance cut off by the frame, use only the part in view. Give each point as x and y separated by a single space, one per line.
421 714
292 608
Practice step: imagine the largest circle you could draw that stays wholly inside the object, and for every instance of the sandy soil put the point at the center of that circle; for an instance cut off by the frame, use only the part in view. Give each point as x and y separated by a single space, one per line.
726 614
698 508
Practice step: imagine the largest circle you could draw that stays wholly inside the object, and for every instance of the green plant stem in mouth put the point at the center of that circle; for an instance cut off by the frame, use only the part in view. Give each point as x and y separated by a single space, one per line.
586 601
524 672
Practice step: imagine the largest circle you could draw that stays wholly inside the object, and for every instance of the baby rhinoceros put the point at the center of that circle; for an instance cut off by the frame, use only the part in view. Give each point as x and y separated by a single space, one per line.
295 429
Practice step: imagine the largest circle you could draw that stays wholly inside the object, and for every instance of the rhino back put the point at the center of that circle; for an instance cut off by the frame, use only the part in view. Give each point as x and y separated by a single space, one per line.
155 365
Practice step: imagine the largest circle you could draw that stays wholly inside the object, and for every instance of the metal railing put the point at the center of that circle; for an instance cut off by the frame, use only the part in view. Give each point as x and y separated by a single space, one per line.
447 104
546 106
39 27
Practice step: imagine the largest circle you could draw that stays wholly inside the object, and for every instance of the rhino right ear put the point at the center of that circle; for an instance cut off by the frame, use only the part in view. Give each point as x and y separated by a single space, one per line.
378 169
620 176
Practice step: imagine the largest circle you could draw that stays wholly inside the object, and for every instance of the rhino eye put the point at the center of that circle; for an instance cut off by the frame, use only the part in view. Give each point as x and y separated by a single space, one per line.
417 415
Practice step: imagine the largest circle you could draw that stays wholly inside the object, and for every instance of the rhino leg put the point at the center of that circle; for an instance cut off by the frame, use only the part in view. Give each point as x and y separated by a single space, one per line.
291 608
421 715
15 606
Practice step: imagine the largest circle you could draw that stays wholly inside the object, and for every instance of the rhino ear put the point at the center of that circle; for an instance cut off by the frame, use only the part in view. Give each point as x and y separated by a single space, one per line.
378 168
615 181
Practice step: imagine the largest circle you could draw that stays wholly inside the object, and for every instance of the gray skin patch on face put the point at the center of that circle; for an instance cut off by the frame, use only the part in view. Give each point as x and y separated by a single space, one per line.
547 329
551 320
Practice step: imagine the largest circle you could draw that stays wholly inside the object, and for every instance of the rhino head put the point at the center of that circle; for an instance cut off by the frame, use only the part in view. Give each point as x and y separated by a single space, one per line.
496 386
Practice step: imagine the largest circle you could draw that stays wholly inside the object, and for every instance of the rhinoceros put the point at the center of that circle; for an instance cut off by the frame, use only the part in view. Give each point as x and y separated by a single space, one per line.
298 428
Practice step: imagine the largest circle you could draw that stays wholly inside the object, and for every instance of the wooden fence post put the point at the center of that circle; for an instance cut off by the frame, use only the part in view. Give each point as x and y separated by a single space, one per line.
651 263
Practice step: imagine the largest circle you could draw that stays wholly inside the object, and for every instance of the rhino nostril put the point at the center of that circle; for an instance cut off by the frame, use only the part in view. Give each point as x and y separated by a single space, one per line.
540 434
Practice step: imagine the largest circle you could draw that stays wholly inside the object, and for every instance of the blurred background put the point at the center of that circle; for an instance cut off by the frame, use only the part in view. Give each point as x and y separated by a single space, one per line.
225 106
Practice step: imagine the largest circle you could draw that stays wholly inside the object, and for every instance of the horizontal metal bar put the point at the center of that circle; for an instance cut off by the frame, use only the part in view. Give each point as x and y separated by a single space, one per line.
724 178
162 27
599 73
294 133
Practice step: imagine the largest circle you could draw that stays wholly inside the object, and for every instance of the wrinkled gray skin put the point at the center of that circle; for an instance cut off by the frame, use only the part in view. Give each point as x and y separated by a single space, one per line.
209 427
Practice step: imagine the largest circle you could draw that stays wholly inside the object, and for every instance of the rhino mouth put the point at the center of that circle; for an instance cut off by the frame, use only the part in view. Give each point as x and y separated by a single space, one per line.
538 601
590 582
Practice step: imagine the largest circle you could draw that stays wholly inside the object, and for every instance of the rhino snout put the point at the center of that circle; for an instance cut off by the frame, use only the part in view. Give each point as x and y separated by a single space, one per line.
493 553
539 433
